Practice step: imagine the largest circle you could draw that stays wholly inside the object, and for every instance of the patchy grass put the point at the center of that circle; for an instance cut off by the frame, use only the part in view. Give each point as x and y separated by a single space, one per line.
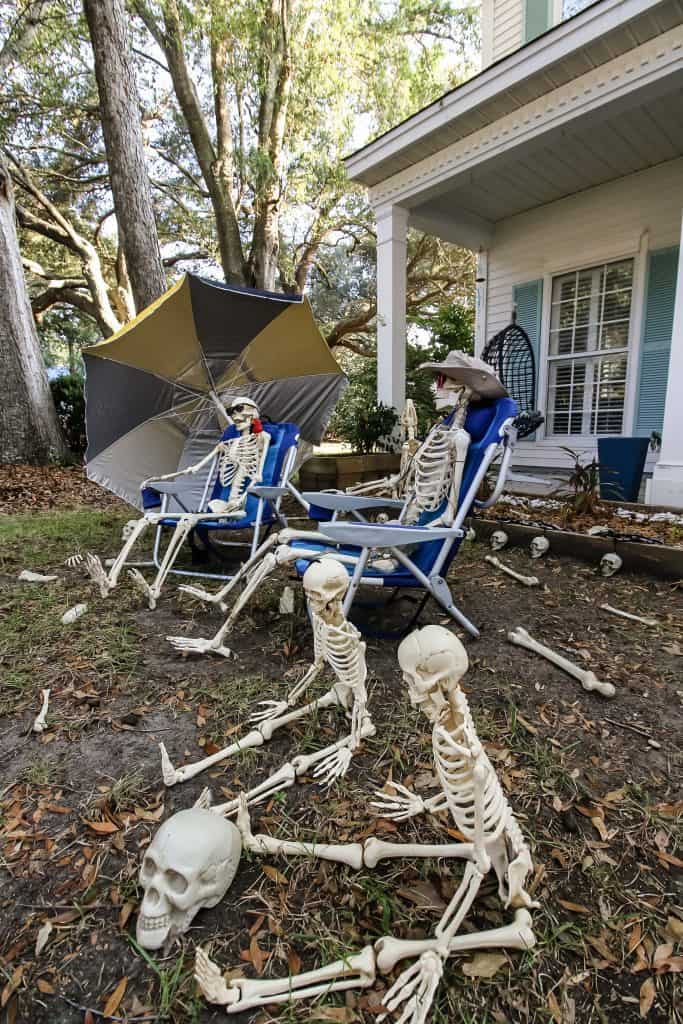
80 803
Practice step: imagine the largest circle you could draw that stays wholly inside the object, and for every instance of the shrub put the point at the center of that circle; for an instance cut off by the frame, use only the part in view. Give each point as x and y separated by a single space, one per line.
69 399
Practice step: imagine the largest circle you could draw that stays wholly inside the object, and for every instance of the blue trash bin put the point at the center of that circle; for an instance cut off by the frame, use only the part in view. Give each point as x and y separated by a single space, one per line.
622 460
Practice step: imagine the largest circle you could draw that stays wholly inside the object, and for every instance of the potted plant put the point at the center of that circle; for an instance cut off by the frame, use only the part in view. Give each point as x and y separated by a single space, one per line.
367 427
622 460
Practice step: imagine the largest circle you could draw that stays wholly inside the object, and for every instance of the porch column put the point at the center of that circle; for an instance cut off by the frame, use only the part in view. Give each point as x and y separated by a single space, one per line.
392 231
667 477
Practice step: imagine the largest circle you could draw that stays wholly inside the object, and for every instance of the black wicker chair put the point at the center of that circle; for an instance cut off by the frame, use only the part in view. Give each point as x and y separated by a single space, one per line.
511 354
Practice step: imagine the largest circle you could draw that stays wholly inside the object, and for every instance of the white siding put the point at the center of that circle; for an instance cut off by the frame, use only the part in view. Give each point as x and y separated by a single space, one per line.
601 224
508 27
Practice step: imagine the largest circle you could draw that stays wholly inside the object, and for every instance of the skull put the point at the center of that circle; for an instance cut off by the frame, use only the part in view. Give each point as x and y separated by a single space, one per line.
609 564
498 540
325 583
433 662
242 412
128 529
470 536
189 864
539 547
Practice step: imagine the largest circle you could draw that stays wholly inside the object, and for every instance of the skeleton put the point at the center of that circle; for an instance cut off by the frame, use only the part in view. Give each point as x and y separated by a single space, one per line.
396 486
74 613
588 680
436 477
337 643
539 547
40 721
609 564
190 864
499 539
27 576
239 464
527 581
433 662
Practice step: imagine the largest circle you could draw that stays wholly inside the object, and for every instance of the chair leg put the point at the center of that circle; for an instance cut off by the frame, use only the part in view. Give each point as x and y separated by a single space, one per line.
442 595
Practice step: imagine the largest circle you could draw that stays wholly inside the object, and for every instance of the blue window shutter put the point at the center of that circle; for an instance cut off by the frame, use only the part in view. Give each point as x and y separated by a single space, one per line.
528 301
658 319
537 18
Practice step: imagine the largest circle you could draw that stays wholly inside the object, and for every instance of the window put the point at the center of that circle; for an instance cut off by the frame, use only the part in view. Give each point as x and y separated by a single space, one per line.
572 7
588 349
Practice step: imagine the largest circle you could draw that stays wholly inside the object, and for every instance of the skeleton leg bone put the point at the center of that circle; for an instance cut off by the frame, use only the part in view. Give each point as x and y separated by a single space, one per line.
152 591
93 564
345 853
588 680
528 581
40 722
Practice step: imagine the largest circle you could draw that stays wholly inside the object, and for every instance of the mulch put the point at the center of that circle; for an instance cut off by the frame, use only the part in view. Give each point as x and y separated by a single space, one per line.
43 488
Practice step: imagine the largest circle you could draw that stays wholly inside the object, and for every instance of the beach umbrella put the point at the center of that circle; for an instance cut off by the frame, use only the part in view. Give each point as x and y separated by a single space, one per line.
151 387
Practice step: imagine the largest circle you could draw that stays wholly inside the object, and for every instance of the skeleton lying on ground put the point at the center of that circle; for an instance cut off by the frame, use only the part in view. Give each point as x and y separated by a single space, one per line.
336 643
433 662
239 464
437 470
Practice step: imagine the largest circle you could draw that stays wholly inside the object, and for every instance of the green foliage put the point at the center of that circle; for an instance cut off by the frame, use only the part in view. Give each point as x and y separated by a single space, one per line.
584 481
450 328
69 399
364 422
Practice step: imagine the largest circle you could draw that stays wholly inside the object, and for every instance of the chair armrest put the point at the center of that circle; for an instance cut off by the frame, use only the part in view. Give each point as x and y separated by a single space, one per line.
349 502
267 493
377 535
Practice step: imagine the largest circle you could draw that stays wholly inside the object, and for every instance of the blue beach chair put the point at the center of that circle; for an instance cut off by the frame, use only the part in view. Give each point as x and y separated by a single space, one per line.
430 550
262 509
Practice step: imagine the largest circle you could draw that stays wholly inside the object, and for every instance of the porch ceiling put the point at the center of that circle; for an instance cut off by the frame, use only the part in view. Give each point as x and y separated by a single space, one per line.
625 138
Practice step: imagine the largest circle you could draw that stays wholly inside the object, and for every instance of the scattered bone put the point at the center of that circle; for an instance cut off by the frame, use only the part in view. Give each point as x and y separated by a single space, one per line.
598 531
73 614
287 601
654 744
609 564
40 723
26 576
629 615
528 581
588 680
470 536
499 539
539 547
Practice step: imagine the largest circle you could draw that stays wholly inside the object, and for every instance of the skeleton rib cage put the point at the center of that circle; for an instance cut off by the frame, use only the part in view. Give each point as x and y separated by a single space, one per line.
341 648
239 461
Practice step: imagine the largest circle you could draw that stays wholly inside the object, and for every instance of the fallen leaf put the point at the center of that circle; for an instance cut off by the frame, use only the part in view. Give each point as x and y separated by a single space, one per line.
45 987
114 1000
554 1008
668 858
274 875
42 937
674 929
125 912
647 996
339 1014
293 961
577 908
634 938
422 894
103 827
484 965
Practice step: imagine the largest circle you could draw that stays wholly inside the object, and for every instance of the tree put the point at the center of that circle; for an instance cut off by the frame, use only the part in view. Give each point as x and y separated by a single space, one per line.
120 115
29 431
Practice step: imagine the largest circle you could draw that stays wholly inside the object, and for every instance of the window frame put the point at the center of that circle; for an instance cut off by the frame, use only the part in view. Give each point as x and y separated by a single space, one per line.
638 253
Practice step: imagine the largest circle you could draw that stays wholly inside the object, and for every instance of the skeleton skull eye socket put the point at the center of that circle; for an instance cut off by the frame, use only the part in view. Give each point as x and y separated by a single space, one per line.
176 882
149 866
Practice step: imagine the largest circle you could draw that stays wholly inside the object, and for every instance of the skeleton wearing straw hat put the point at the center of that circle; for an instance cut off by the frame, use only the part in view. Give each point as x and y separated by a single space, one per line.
239 464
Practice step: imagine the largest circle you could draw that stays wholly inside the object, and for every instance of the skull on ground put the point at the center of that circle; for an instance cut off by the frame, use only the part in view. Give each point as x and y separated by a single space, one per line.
433 662
325 584
609 564
539 547
190 864
499 539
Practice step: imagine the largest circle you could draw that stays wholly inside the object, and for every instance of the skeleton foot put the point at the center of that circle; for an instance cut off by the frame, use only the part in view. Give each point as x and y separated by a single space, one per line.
141 584
170 774
334 766
96 572
200 594
197 645
415 988
210 980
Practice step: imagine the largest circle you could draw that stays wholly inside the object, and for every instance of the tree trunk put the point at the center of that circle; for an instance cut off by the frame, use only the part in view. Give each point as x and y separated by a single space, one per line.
120 112
29 431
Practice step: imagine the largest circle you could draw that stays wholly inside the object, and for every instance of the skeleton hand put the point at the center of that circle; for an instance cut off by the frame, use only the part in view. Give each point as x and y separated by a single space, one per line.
333 767
198 592
270 709
210 980
399 808
414 987
197 645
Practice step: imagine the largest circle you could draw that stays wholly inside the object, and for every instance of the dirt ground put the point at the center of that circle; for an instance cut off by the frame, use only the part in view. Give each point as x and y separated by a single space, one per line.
594 783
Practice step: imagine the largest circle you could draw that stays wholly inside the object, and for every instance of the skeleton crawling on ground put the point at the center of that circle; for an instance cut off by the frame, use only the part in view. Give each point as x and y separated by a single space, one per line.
337 643
239 464
436 476
433 662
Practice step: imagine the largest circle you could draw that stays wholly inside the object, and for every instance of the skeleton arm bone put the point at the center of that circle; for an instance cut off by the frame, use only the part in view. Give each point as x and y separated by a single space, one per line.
188 471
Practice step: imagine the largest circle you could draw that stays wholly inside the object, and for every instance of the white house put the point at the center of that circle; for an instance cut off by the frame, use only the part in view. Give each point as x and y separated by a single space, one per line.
561 165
